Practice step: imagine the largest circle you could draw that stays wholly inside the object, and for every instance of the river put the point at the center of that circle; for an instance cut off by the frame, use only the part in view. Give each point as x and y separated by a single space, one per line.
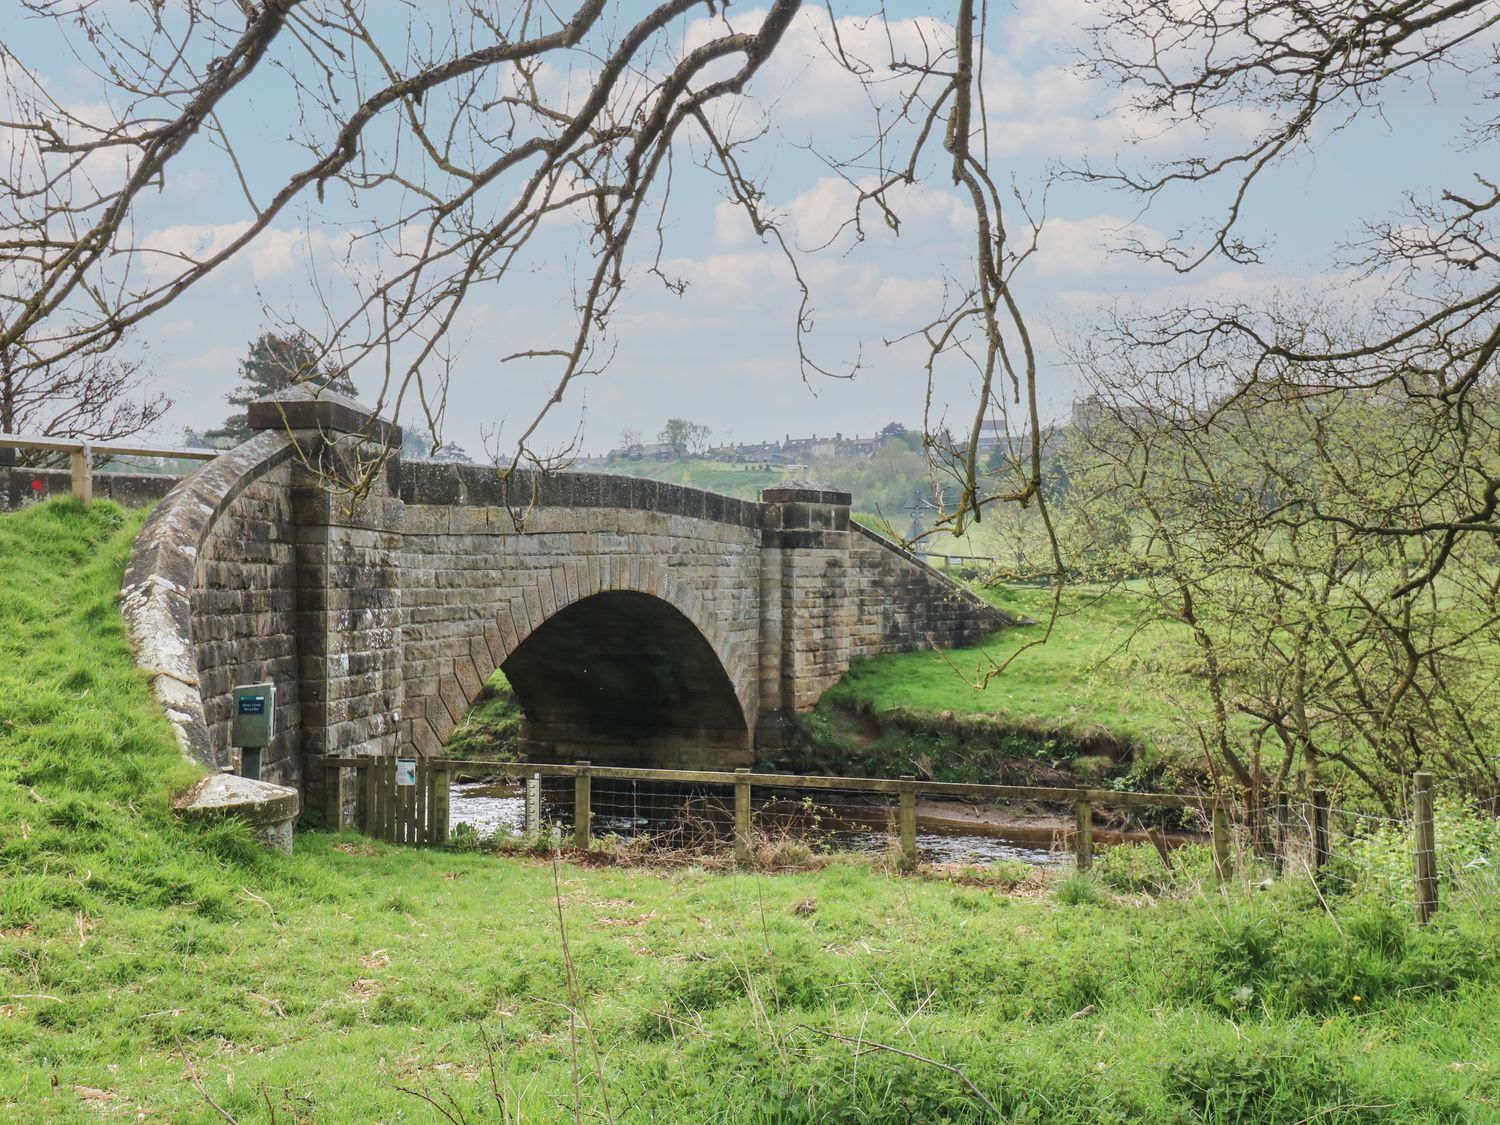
826 822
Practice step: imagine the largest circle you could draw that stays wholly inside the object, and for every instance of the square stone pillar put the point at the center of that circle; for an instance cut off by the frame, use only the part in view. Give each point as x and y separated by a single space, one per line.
807 617
348 615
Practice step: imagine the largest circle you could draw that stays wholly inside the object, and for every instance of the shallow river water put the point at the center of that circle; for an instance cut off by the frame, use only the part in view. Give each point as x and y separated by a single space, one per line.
825 822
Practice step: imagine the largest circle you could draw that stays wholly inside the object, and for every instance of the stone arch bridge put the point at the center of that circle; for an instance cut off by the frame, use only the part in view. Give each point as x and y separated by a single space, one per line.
638 622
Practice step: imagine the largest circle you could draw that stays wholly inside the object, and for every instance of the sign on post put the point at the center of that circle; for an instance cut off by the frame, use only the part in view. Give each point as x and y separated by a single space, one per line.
252 725
406 771
254 721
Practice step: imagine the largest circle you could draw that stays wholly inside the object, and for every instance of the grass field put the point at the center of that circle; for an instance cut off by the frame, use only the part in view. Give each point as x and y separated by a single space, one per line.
744 481
140 961
1081 679
1082 702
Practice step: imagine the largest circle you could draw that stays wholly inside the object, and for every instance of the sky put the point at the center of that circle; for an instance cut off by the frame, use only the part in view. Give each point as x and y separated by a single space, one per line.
723 352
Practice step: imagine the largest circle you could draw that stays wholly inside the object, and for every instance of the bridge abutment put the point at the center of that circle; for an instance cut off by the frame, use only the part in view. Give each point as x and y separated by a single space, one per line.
348 582
807 617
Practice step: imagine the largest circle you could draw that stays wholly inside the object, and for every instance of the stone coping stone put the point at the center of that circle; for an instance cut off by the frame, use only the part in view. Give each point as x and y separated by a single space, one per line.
258 803
228 794
447 483
307 407
806 492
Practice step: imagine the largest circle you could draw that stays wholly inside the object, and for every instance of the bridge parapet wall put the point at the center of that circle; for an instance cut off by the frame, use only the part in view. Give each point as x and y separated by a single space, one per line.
901 603
433 483
209 599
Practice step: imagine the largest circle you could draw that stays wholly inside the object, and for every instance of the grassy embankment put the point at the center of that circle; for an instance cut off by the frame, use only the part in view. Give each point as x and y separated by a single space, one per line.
137 957
1080 706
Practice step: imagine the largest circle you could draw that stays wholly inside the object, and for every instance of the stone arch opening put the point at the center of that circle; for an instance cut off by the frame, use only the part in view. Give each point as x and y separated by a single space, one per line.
625 677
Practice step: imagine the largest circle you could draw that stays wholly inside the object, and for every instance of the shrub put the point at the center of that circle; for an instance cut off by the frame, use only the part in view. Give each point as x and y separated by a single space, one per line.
786 853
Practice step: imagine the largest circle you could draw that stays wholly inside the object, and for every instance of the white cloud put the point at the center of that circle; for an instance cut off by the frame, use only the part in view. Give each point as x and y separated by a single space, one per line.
731 225
273 253
191 241
898 298
928 216
1088 247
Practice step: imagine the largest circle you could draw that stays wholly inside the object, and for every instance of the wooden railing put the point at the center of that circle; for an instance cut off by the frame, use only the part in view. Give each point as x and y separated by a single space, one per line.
81 453
420 813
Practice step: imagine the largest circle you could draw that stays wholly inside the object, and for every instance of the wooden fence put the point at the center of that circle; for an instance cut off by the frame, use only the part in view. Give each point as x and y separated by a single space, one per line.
406 801
81 454
417 813
401 800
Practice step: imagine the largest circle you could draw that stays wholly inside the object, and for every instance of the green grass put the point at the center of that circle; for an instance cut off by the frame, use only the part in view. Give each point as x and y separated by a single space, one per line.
319 986
492 727
1064 703
744 481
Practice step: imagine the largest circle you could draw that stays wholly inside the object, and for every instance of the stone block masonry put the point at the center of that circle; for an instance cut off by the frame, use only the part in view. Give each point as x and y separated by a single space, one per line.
129 490
638 621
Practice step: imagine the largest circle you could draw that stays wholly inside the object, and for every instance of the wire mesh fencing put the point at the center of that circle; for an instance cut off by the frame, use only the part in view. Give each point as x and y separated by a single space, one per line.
1446 842
782 821
1442 846
786 825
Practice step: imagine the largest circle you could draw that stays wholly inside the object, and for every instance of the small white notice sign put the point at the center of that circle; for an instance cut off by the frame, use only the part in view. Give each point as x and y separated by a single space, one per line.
406 771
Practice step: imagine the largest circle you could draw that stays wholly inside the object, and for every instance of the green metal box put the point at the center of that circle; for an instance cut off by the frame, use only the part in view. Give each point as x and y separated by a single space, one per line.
254 722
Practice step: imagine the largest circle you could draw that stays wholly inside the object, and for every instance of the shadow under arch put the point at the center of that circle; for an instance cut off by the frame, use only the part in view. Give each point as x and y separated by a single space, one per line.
621 677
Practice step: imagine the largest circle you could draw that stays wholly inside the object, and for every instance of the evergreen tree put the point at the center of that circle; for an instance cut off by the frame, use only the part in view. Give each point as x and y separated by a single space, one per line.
274 363
417 446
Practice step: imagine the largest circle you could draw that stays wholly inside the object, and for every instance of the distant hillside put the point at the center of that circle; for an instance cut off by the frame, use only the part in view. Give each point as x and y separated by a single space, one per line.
743 481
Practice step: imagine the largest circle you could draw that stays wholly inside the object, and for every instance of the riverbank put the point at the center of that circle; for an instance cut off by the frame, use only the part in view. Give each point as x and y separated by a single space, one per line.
153 972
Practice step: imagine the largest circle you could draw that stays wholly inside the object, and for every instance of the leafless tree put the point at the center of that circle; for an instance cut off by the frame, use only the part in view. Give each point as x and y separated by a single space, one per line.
457 131
86 395
1428 329
1245 517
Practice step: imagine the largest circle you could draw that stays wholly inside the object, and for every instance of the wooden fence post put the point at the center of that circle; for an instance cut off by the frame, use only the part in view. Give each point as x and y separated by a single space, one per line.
378 810
909 821
81 461
581 809
367 799
534 807
420 799
1281 819
1425 840
440 806
742 818
333 805
392 801
1083 836
1320 828
1221 841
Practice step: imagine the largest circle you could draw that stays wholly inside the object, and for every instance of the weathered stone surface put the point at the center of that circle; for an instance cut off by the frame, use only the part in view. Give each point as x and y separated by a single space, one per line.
269 810
639 621
129 490
161 583
319 410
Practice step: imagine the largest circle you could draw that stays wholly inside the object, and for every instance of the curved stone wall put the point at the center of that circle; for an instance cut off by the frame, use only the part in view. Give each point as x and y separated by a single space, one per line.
208 598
